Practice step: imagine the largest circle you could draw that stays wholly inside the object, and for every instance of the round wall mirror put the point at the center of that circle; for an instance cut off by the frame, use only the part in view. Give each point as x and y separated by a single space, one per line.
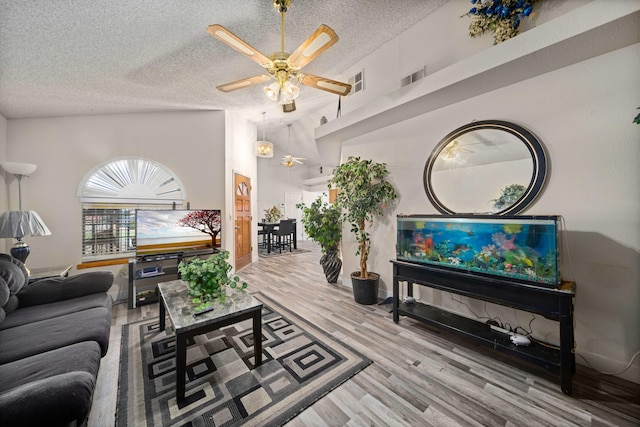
486 167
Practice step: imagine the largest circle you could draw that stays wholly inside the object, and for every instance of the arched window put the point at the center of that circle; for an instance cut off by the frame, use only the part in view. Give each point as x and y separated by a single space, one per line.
110 194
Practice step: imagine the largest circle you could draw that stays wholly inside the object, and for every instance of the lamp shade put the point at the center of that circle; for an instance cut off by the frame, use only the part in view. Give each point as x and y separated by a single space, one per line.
264 149
16 168
18 224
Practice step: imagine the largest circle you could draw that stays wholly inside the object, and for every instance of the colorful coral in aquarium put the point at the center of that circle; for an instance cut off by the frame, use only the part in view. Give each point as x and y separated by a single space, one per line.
518 248
500 17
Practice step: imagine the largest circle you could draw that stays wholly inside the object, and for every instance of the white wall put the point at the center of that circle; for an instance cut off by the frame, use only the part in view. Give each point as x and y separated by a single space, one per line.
440 40
189 144
275 180
4 199
583 115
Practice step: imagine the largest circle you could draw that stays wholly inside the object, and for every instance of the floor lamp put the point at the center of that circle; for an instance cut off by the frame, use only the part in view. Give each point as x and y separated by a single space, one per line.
19 224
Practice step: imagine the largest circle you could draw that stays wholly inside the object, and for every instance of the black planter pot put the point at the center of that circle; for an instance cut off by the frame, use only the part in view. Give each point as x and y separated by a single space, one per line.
331 264
365 291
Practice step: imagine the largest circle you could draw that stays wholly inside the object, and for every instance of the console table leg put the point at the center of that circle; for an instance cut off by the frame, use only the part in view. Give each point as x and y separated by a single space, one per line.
396 300
567 356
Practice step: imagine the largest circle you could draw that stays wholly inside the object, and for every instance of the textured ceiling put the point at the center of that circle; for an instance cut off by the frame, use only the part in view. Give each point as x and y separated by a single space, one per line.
66 57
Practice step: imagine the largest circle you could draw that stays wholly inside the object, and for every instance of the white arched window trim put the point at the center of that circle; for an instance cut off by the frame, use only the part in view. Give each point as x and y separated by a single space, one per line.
110 194
131 180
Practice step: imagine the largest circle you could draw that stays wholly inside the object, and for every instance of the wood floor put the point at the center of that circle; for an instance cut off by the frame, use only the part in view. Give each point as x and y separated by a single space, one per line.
420 376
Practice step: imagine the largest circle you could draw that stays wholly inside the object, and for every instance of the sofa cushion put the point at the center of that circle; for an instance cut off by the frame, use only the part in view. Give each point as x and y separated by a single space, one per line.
11 305
55 309
83 356
13 276
54 388
37 337
56 289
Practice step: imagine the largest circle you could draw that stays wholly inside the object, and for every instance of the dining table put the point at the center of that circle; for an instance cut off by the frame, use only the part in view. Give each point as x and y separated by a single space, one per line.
269 227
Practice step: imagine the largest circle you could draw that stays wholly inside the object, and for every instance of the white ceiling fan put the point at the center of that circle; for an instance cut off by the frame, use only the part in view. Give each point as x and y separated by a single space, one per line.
288 160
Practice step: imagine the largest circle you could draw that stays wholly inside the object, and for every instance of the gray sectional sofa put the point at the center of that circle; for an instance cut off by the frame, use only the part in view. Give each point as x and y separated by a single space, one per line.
53 333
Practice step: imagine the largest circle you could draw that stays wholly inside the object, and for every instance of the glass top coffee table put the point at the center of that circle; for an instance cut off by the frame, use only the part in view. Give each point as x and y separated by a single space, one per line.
175 300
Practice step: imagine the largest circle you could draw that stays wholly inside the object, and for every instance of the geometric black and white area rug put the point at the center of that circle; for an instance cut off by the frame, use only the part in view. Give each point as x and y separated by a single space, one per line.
300 364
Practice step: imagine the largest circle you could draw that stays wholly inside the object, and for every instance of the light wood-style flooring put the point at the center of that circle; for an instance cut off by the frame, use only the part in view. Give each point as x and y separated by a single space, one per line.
419 376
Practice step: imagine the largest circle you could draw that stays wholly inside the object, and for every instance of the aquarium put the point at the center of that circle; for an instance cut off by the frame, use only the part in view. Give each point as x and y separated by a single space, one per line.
525 248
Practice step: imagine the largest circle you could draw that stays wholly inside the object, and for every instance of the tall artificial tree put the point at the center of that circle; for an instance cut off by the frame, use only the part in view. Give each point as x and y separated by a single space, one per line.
363 192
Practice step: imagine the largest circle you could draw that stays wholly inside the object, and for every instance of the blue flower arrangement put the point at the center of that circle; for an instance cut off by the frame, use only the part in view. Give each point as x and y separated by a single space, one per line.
500 17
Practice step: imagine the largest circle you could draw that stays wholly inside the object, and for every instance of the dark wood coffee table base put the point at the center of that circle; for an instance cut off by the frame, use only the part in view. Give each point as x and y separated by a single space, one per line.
183 336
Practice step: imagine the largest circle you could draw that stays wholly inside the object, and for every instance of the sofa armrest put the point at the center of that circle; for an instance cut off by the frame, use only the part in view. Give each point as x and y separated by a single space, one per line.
57 289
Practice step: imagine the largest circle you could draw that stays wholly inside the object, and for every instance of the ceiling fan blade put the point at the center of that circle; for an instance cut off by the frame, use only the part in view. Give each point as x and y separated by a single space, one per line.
239 84
329 85
226 36
323 38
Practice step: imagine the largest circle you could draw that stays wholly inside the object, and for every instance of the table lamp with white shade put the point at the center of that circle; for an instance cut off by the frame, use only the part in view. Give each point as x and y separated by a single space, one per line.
19 224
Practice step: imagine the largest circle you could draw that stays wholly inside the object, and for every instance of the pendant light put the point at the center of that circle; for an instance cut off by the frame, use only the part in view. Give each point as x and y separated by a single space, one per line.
264 148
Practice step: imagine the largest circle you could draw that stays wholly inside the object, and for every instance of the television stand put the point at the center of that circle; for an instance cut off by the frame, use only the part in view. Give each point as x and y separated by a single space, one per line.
146 270
552 303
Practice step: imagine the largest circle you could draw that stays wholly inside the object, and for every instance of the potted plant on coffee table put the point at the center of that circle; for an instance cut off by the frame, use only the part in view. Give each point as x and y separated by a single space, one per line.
323 224
209 278
363 192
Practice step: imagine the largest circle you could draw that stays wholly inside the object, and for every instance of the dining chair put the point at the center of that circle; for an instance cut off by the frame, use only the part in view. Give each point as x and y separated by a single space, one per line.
284 233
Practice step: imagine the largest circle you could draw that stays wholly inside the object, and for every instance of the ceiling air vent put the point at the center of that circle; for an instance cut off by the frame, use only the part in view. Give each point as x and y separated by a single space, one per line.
412 78
357 83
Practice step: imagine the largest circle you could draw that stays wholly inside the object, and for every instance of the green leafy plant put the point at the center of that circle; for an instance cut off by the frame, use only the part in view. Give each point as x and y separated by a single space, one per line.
273 214
636 120
208 278
508 196
363 192
322 223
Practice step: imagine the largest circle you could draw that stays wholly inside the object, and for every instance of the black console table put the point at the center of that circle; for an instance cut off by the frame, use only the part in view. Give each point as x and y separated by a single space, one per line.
552 303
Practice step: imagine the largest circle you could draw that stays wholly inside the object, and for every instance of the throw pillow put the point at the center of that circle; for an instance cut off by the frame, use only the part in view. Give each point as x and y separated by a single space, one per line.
13 276
13 271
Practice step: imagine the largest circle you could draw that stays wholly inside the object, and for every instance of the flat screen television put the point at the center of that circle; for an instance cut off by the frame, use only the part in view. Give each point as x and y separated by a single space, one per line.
177 231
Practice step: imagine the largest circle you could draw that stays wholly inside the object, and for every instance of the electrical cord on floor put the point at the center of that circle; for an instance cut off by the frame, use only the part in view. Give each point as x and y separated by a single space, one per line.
609 373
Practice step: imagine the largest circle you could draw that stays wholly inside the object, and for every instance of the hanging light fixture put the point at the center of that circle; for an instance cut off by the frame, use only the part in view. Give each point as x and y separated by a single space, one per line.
288 160
264 148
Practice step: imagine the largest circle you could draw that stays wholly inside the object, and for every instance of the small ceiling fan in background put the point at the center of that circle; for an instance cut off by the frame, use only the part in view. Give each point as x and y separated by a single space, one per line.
288 160
282 66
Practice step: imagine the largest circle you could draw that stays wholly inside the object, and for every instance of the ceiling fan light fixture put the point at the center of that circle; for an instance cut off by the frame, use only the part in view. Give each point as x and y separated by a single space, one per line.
272 91
291 91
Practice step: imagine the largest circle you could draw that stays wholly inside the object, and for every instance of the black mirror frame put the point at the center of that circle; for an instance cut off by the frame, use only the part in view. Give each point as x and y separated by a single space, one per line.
534 146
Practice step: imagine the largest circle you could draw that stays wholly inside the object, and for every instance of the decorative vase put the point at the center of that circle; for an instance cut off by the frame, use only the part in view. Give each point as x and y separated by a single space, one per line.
365 291
331 264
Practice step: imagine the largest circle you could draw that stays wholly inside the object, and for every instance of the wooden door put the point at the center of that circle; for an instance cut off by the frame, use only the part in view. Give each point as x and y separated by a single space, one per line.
242 220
